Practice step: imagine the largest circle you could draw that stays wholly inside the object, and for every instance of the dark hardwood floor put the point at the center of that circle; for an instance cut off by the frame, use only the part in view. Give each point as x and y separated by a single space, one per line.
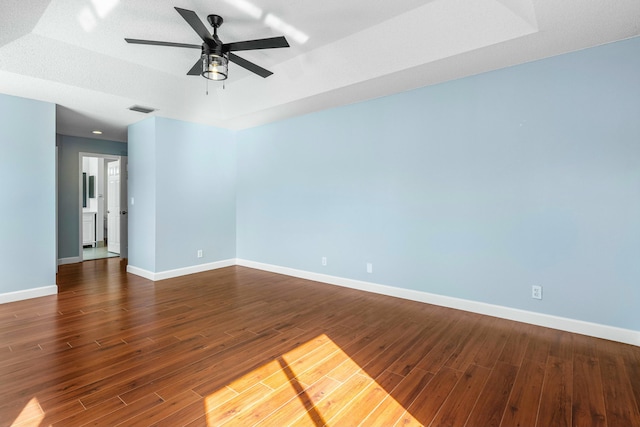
238 346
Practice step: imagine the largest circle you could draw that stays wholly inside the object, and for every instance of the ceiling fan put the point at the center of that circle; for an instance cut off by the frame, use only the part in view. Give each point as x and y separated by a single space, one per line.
215 55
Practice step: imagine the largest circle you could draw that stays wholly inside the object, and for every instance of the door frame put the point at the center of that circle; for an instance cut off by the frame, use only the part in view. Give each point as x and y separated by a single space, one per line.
81 156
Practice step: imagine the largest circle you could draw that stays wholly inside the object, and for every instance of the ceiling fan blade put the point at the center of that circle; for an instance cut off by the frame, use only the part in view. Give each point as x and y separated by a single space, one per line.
197 25
269 43
196 70
157 43
249 65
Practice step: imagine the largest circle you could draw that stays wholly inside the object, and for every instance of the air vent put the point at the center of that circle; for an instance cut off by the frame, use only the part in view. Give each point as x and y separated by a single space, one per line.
140 109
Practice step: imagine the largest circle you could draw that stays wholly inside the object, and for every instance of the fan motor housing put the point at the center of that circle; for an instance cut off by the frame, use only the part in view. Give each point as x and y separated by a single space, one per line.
212 50
215 20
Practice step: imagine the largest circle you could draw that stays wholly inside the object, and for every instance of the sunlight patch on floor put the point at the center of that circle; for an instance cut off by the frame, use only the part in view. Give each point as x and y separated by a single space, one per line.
313 384
31 414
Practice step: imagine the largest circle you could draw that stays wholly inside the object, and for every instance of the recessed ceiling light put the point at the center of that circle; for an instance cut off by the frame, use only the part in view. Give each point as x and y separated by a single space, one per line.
97 132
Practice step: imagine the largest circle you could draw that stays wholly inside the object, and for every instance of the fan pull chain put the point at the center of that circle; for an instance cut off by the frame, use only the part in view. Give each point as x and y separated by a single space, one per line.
224 86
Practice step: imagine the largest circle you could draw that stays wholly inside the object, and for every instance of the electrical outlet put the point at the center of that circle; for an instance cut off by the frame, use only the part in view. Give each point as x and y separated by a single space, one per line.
536 292
369 267
199 253
324 260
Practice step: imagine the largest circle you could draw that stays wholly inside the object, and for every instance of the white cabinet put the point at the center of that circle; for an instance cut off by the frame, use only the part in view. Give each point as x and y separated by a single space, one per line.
89 228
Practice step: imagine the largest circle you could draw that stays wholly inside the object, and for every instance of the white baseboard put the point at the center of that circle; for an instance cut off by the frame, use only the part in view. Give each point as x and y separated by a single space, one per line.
168 274
613 333
28 293
72 260
140 272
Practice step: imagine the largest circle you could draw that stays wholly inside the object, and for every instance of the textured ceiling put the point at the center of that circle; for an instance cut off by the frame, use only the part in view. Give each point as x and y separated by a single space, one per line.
73 53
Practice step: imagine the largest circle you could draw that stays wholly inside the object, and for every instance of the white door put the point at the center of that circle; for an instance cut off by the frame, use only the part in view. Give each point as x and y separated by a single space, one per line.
124 224
113 206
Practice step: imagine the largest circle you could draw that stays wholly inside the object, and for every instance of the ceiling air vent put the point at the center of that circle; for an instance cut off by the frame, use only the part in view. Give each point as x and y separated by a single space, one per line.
140 109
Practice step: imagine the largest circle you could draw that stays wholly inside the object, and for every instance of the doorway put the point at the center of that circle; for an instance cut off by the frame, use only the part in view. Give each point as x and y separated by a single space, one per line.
103 206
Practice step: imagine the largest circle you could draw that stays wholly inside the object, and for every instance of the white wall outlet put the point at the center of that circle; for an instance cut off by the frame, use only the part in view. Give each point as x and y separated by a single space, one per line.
369 267
324 260
199 253
536 292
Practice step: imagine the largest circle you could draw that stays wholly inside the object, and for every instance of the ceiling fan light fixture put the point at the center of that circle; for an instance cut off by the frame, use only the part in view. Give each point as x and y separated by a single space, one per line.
215 67
213 63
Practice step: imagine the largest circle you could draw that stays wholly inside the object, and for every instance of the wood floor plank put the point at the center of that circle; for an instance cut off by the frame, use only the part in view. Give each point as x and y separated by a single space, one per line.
588 396
270 403
104 416
158 413
631 356
298 366
195 413
30 413
190 412
360 406
465 353
522 408
392 407
620 405
72 364
329 407
538 345
266 352
297 406
236 346
384 359
361 358
515 346
58 413
236 405
446 346
337 358
561 345
117 379
186 370
458 406
556 398
109 412
433 333
585 346
489 351
492 402
428 402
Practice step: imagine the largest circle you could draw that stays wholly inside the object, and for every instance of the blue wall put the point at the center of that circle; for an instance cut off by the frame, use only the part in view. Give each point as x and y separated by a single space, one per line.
142 189
27 194
69 149
192 178
476 188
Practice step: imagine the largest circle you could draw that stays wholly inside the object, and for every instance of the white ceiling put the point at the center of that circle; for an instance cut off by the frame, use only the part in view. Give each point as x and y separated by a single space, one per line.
73 53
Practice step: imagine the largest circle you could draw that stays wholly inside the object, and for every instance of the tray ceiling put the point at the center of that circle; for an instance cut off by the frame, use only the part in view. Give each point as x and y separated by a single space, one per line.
72 53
